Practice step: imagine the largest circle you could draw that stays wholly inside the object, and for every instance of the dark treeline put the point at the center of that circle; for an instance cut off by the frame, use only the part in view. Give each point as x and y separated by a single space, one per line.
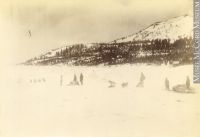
155 51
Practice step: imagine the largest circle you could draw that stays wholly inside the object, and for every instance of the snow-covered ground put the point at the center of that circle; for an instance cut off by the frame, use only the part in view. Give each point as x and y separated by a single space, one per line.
33 104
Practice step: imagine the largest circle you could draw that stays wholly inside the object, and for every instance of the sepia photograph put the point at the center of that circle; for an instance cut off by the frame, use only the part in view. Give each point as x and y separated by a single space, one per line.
99 68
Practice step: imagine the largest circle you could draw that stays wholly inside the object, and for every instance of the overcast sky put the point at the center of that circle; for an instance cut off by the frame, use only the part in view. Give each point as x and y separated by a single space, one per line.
53 23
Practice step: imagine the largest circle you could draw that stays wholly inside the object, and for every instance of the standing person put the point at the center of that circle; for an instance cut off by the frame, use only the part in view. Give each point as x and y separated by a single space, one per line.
141 82
61 80
188 82
81 78
75 80
142 78
166 84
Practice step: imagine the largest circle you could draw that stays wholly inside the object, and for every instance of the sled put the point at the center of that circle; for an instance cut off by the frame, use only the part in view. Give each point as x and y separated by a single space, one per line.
183 89
125 84
112 84
73 83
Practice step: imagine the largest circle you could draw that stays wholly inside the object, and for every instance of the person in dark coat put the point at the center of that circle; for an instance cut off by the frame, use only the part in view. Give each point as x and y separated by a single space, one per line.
81 78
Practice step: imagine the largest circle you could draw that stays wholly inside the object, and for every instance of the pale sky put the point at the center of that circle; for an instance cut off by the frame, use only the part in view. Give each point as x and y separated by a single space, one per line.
54 23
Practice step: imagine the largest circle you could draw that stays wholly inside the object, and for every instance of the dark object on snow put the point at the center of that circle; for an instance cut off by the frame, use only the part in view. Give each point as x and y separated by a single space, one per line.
142 78
29 32
75 78
112 84
167 84
74 82
81 78
37 80
183 89
188 82
34 81
61 80
124 84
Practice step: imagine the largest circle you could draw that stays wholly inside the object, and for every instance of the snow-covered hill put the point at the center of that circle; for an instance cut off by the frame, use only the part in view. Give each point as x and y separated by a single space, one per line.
176 29
173 29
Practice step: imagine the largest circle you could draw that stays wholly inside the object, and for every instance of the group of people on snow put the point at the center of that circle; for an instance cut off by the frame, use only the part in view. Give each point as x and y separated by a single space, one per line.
185 87
125 84
75 81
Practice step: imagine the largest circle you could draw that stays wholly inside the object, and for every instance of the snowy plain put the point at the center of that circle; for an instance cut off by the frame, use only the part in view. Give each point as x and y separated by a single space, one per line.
34 104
